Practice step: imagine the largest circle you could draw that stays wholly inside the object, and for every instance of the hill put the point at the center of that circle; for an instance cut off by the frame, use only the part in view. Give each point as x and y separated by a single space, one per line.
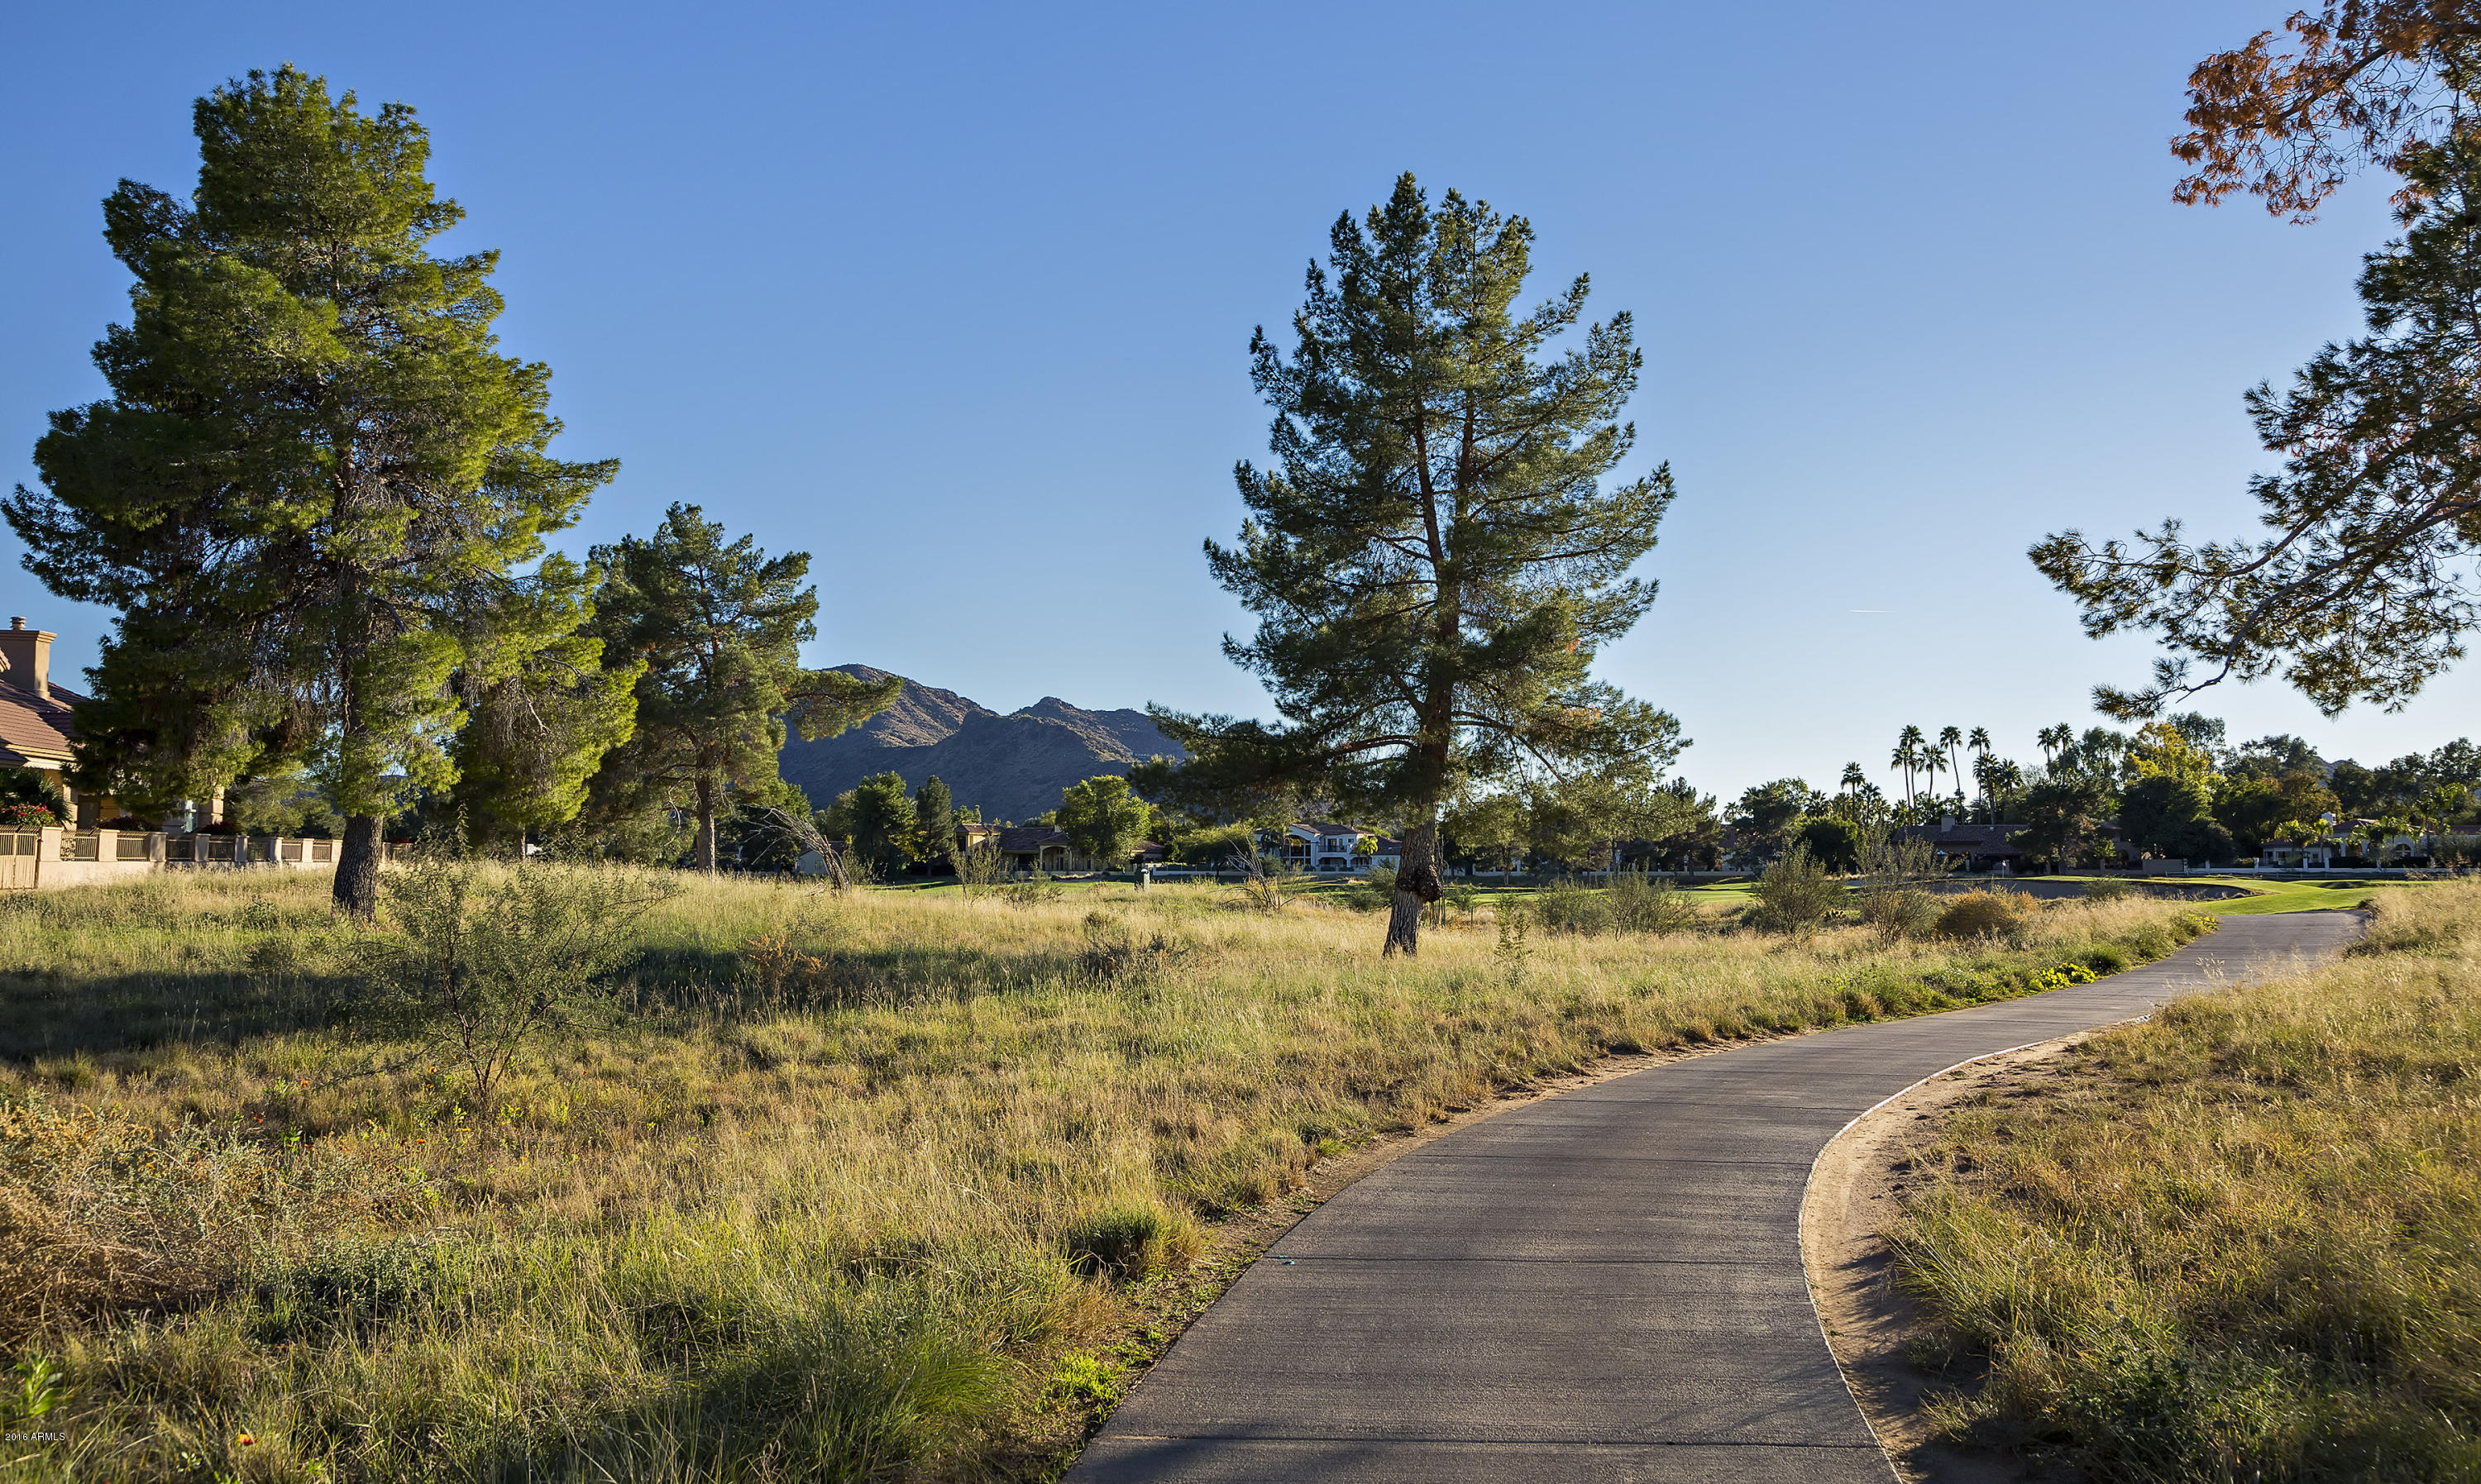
1010 766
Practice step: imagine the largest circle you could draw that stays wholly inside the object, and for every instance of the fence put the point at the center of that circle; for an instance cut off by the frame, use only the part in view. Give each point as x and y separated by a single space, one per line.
44 859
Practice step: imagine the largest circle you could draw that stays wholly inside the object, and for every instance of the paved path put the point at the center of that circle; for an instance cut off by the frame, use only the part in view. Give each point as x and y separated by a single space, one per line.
1604 1286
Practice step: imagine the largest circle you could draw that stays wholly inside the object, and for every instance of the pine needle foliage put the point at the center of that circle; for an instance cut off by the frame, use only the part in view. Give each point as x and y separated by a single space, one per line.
1435 557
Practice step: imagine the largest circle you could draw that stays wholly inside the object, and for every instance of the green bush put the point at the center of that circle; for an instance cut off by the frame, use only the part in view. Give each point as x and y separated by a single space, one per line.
2103 959
1373 893
2108 889
1649 904
1565 906
1795 894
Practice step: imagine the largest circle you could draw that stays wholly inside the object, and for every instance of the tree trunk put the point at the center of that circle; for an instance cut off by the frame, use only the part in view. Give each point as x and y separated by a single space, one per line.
1416 886
706 825
357 868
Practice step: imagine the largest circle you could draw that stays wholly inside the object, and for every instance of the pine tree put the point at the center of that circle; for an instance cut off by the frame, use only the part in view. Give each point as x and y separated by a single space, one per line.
934 819
1436 562
315 479
719 627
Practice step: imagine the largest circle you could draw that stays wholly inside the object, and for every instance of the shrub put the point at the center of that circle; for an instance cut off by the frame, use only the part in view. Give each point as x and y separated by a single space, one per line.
1649 904
1373 893
1898 912
1989 914
1794 895
1113 952
2108 889
1565 906
485 961
1129 1241
2103 959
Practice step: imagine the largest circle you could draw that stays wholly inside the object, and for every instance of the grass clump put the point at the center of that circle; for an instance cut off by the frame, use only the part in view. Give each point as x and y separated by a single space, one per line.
2245 1241
826 1185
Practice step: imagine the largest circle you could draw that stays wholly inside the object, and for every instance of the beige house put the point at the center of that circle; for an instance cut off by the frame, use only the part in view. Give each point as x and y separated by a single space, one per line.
38 730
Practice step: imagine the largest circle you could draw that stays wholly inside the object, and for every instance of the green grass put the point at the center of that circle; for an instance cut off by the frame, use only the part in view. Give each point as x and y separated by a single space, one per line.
893 1195
2239 1241
2292 896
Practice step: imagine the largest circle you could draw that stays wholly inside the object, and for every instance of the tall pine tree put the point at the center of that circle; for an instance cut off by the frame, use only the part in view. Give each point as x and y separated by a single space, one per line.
1436 560
717 625
315 485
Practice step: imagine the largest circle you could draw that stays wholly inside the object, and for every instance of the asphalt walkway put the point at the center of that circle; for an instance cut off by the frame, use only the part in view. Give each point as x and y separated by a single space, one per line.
1604 1286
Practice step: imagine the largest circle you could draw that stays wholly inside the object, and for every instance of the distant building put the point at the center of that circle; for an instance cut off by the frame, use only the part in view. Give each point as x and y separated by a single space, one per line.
1331 849
39 728
1975 846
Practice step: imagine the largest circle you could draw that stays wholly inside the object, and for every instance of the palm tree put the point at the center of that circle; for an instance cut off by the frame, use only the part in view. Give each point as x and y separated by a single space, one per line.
1933 763
1909 749
1953 741
2056 739
1853 778
1979 741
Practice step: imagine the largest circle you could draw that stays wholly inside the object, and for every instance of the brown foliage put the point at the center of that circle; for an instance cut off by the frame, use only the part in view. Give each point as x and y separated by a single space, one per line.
2359 82
1984 915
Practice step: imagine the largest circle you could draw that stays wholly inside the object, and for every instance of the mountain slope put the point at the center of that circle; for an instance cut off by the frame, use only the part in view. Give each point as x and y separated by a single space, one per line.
1012 767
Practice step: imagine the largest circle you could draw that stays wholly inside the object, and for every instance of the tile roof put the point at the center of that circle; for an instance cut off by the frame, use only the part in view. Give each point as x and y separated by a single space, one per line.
35 726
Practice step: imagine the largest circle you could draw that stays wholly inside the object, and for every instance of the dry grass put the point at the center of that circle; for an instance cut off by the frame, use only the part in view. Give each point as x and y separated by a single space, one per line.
869 1198
2246 1244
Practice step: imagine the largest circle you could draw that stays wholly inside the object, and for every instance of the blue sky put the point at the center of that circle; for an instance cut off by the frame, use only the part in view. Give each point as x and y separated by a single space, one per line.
956 298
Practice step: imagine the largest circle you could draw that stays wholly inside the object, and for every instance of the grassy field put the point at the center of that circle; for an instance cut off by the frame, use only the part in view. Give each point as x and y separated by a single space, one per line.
886 1185
2243 1239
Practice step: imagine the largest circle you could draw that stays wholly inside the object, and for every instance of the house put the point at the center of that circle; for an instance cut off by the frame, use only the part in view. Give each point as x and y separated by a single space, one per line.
1329 847
1975 847
2293 855
38 725
1043 847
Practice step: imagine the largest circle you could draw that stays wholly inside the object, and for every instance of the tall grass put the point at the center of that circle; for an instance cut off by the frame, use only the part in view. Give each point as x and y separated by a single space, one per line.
855 1185
2246 1244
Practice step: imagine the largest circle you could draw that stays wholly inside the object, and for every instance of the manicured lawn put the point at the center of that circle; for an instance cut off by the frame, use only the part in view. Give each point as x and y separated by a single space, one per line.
2292 896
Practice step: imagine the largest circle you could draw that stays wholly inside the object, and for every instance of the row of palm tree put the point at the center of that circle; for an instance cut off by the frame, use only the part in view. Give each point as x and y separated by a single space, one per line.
1916 752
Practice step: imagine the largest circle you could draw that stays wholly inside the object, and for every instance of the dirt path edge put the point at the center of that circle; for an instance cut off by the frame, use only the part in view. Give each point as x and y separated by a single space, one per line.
1855 1191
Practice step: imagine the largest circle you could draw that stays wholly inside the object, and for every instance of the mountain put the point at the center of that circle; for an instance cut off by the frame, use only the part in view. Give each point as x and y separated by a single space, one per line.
1013 767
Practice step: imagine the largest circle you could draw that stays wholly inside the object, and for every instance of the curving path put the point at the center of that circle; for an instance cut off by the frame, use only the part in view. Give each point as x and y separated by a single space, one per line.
1604 1286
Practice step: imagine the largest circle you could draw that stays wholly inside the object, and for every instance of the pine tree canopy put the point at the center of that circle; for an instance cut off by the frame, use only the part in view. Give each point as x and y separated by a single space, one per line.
315 487
1435 559
717 625
2364 588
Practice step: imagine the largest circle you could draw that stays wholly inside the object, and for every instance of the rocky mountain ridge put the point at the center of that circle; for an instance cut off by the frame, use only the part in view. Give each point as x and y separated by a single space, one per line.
1011 766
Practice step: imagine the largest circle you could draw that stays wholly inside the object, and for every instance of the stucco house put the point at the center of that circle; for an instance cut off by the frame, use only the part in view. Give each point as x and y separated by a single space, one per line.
1329 847
38 719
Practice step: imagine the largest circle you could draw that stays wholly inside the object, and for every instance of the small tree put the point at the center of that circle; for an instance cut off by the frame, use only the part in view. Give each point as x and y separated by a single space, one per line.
718 626
1493 827
882 822
1102 819
934 822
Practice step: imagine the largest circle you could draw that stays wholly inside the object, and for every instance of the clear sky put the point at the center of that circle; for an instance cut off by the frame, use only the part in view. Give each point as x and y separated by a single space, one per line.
956 298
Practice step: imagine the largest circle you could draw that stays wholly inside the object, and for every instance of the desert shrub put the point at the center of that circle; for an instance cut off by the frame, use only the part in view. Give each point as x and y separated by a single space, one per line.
1987 914
2107 889
1565 906
1794 894
1898 912
1112 950
1373 893
1129 1241
485 961
1649 904
1032 889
